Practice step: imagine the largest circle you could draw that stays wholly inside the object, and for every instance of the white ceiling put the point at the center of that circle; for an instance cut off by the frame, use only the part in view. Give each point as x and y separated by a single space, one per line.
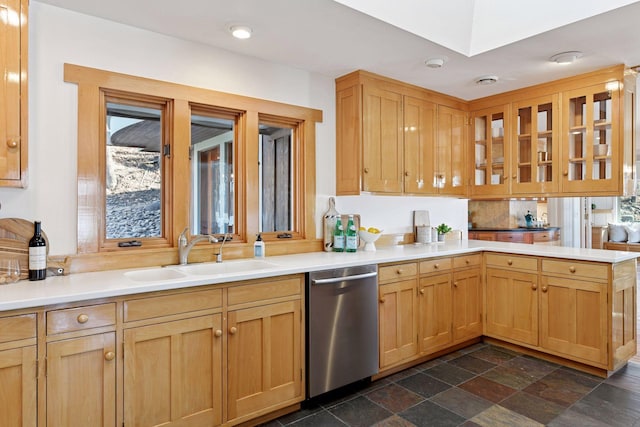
510 39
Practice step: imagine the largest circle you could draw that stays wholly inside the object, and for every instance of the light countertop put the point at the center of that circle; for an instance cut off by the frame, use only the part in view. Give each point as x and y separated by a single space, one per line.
86 286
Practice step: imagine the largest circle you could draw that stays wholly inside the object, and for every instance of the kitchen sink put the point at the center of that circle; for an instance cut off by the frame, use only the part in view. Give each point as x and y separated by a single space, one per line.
226 267
155 275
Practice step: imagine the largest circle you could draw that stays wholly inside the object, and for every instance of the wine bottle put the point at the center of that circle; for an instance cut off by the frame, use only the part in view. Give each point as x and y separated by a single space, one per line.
338 237
352 235
37 254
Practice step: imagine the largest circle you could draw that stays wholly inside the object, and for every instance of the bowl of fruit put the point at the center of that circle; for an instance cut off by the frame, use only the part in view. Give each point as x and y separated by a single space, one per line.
369 236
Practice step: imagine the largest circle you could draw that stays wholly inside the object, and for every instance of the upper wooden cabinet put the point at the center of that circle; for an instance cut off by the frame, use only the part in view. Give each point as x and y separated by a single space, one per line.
395 138
13 92
563 138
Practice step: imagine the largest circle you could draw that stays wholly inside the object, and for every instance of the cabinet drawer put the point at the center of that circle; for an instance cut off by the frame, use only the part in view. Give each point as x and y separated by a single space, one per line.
166 305
515 262
397 271
80 318
264 290
578 269
546 236
17 327
467 261
518 237
435 265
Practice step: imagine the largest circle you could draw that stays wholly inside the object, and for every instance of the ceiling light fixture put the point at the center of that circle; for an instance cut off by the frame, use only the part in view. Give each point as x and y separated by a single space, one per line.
486 80
241 31
566 57
434 62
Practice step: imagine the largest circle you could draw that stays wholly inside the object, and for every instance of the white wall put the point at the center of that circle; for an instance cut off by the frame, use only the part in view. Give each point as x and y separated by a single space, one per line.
58 36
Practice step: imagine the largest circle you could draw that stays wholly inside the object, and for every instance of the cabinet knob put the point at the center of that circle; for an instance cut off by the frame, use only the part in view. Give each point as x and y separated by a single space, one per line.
514 176
565 173
233 330
406 173
534 286
366 170
455 284
466 261
82 318
12 143
381 300
544 289
422 291
218 333
109 355
436 266
572 269
399 271
510 262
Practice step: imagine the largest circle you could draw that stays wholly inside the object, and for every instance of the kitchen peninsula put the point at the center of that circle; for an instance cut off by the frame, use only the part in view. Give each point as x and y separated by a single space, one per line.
573 306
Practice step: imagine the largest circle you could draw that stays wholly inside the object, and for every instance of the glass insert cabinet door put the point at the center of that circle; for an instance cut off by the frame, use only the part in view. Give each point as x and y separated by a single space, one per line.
491 151
535 149
592 142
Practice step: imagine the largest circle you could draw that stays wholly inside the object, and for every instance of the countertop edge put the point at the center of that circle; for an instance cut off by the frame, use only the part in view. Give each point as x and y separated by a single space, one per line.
113 283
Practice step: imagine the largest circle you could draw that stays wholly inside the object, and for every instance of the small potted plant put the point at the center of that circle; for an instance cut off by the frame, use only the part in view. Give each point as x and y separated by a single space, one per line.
442 230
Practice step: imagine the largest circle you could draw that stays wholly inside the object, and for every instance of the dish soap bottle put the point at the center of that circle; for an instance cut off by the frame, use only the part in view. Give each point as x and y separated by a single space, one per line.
352 235
258 247
338 236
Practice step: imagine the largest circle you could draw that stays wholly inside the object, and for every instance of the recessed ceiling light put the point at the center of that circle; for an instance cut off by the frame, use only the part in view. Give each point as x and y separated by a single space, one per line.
566 57
434 62
486 80
241 31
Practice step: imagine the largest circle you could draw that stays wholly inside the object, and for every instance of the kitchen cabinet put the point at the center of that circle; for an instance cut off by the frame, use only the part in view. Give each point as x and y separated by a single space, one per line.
592 150
173 373
13 92
548 236
467 297
18 371
512 298
535 147
395 138
435 312
398 313
491 154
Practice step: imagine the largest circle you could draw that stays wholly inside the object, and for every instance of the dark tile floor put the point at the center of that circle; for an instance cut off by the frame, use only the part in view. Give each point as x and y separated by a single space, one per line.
482 385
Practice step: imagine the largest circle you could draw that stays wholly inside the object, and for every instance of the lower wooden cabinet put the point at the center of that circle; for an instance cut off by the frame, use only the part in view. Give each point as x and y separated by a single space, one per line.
398 322
512 305
18 390
467 303
81 381
173 373
264 358
435 313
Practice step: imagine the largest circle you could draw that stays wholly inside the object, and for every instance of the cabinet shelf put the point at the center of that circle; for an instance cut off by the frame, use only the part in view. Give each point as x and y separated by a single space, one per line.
577 129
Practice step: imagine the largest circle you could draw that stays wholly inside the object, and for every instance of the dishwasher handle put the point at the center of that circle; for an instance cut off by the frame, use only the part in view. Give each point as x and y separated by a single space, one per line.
343 279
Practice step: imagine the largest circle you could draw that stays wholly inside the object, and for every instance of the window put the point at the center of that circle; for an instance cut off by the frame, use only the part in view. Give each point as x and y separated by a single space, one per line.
154 157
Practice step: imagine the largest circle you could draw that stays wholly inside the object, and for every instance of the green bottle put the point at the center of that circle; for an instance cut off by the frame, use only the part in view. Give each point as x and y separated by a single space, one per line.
352 235
338 236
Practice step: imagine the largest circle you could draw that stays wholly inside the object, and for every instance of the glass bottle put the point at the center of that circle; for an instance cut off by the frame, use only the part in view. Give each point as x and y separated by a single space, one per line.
338 236
329 220
352 235
37 254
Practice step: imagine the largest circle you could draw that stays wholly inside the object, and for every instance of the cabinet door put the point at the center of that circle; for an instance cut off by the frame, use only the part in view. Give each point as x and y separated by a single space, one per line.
382 130
591 144
13 120
512 305
81 381
264 358
18 391
419 144
467 304
398 324
535 149
491 152
172 373
451 149
435 312
573 319
348 141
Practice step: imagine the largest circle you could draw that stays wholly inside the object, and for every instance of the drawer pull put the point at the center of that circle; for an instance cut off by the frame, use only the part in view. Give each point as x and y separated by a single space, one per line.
466 261
218 333
509 262
436 266
82 318
572 269
399 271
233 330
109 355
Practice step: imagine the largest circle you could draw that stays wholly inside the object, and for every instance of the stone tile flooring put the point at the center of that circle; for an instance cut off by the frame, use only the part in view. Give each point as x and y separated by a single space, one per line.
481 385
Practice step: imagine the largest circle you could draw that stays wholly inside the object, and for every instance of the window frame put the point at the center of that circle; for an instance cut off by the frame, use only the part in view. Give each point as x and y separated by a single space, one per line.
181 98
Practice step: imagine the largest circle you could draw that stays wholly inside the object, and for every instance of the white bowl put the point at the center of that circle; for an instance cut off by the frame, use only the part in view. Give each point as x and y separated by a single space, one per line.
369 239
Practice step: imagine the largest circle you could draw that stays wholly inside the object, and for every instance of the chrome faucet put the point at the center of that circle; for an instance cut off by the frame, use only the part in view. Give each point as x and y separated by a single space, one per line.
185 246
219 254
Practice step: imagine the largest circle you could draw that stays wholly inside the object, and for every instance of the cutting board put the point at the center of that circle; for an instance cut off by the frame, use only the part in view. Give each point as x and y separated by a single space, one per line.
15 234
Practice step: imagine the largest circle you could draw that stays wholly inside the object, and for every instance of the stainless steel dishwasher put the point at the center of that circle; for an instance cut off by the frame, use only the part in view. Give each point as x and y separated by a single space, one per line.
342 327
